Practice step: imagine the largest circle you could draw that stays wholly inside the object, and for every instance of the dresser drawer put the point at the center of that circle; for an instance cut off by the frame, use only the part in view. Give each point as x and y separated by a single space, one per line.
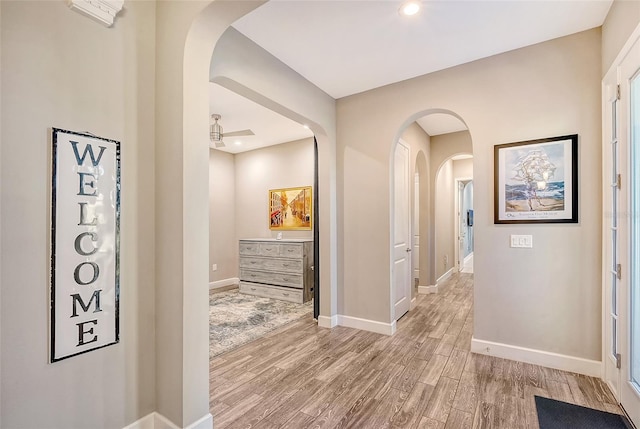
269 249
291 250
284 265
249 248
285 294
282 279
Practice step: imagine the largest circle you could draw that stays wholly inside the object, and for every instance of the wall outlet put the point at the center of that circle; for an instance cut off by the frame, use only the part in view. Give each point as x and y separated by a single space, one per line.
214 267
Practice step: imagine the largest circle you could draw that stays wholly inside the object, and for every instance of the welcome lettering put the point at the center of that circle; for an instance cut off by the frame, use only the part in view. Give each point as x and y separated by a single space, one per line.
86 242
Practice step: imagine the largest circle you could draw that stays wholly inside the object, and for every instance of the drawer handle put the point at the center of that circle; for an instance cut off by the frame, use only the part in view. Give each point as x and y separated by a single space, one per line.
253 288
285 265
253 262
285 294
290 250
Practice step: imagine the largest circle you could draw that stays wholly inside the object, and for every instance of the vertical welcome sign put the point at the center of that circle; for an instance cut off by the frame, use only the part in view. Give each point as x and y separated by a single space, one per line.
85 229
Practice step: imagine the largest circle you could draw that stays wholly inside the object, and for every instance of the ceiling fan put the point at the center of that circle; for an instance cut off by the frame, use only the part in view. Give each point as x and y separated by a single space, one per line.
217 135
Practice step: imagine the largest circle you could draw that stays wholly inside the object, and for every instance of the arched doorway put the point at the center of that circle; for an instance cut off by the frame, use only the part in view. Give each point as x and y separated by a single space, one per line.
432 142
183 73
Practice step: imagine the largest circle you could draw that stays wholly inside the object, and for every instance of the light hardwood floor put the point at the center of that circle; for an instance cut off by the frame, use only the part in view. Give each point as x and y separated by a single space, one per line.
424 376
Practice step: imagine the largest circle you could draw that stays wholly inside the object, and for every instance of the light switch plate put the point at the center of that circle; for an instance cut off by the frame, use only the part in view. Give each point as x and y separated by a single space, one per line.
522 241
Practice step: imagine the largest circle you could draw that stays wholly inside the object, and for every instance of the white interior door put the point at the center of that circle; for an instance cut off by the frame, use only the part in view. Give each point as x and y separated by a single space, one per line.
629 294
401 270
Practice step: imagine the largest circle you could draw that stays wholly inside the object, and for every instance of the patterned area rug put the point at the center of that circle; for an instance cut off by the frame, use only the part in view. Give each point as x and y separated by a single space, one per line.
236 319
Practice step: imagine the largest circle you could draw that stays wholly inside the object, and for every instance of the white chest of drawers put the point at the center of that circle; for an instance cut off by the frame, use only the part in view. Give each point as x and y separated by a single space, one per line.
281 269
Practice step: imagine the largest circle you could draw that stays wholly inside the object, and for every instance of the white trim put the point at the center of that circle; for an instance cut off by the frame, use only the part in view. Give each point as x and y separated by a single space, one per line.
357 323
588 367
225 282
161 422
367 325
466 259
205 422
156 420
428 289
445 276
146 422
102 11
413 304
328 322
626 48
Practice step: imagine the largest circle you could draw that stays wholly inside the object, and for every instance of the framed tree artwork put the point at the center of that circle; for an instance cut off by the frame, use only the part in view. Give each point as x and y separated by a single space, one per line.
536 181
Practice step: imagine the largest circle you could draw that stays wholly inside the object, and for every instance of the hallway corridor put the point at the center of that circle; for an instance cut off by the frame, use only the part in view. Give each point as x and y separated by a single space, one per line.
424 376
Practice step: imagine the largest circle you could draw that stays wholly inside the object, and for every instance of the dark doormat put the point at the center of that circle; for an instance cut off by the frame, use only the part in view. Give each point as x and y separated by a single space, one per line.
554 414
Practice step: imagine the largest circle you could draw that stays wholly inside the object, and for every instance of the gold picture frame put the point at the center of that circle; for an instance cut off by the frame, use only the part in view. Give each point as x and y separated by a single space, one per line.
291 209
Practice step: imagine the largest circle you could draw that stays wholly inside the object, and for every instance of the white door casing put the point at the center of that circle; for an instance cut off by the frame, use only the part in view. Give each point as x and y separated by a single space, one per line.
621 233
416 228
629 81
401 269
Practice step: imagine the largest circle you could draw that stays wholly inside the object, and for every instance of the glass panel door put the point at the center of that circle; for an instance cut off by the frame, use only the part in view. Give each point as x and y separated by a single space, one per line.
629 236
614 253
634 292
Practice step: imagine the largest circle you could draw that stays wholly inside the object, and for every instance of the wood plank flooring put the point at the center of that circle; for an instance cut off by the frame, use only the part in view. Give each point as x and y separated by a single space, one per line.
424 376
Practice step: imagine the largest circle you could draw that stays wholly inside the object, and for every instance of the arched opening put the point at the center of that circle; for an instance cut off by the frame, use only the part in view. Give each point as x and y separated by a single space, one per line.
182 141
436 138
452 214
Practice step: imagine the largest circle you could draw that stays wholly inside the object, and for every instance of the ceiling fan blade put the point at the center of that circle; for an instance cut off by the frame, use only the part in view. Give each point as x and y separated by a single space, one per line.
239 133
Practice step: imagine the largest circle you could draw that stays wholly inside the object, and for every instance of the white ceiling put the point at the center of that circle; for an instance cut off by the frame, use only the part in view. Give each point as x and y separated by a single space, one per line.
441 123
346 47
239 113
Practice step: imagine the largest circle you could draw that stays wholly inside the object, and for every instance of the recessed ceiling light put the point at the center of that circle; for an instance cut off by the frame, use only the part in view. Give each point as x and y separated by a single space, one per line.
410 8
237 142
306 126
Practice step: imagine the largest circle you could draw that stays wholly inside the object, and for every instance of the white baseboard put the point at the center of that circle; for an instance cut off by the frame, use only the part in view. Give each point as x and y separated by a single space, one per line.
328 322
445 276
158 421
357 323
205 422
367 325
147 422
466 259
592 368
225 282
428 289
413 304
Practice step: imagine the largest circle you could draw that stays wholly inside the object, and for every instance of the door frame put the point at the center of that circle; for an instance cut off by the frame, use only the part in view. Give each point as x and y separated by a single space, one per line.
618 379
409 238
457 214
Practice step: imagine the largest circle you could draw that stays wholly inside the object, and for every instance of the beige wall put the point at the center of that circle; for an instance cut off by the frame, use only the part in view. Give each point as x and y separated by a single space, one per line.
239 191
463 168
445 194
443 147
621 21
222 216
239 197
418 141
245 68
285 165
502 99
60 69
444 225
